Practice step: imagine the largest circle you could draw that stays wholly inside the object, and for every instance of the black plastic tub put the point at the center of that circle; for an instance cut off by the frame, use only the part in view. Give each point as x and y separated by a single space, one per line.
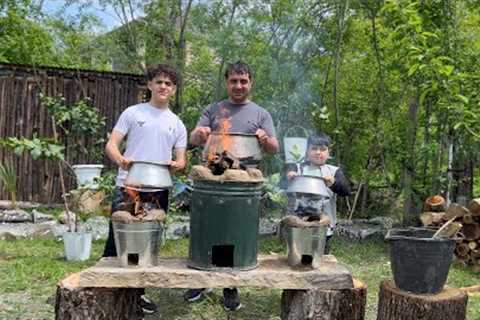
420 263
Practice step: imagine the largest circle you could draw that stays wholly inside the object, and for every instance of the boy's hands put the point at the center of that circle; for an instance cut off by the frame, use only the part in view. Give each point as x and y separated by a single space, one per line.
291 175
329 180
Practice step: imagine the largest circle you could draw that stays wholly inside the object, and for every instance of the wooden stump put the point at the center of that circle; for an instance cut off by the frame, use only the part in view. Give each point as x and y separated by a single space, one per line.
395 304
77 303
344 304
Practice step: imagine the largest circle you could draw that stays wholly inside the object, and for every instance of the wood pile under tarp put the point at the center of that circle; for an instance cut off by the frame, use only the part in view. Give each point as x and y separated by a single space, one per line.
465 220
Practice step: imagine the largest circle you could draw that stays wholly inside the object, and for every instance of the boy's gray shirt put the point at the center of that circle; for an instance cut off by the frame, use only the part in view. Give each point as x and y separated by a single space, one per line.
243 118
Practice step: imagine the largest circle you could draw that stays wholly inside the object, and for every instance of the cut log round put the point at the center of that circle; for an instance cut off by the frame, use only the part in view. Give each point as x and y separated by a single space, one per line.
435 203
345 304
395 304
471 231
474 207
462 249
455 210
431 218
468 218
77 303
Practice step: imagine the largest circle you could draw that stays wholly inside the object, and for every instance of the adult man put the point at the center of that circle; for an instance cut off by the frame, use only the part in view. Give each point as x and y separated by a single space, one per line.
153 132
244 116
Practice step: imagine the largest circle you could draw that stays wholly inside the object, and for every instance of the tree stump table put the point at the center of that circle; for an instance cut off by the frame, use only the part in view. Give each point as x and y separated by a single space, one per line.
110 292
317 304
395 304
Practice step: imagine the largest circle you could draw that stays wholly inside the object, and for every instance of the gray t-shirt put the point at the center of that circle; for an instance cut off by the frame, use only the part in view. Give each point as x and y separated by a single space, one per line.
244 118
151 133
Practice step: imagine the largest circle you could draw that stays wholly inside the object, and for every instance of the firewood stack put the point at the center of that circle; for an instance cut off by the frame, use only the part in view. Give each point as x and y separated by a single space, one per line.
465 222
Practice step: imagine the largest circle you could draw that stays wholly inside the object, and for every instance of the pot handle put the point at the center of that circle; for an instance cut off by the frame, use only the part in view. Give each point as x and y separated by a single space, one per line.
289 130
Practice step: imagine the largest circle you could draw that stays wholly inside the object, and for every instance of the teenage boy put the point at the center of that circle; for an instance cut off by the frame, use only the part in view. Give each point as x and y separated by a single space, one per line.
153 132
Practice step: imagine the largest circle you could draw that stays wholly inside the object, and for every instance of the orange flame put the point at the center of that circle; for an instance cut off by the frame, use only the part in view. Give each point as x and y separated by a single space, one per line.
222 140
133 194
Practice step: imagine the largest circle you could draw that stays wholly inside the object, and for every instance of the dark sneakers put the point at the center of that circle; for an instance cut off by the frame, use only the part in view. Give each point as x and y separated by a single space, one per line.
231 300
147 305
192 295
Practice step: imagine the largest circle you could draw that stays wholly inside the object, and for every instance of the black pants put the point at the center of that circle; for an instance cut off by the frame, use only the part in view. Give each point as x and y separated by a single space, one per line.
161 198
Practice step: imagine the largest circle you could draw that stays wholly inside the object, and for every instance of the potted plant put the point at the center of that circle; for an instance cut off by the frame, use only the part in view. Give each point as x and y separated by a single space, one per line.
78 123
81 127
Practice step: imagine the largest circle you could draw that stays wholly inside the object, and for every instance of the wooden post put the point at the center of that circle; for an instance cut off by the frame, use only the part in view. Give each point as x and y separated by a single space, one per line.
344 304
77 303
395 304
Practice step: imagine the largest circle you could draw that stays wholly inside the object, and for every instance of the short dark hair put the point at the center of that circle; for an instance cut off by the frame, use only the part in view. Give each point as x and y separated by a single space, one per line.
162 70
318 139
238 67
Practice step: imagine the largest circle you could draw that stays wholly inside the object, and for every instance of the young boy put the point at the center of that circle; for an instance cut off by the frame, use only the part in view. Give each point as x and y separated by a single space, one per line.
315 165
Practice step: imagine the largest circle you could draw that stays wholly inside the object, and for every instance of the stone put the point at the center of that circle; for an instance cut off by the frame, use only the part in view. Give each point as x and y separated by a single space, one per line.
362 229
272 272
177 230
98 226
268 227
15 215
5 235
65 218
39 217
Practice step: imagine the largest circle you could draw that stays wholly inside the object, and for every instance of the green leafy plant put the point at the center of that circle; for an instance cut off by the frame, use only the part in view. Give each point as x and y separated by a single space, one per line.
37 147
8 176
76 122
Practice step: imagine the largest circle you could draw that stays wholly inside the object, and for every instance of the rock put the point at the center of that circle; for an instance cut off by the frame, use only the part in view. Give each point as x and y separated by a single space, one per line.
177 230
182 196
362 229
98 226
15 215
29 230
39 217
65 218
5 235
268 227
86 200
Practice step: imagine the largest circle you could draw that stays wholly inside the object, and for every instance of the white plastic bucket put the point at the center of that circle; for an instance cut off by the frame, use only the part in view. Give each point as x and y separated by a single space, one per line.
295 147
77 245
85 174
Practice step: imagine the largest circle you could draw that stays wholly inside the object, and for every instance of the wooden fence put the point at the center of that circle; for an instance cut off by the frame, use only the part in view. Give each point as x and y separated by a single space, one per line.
21 114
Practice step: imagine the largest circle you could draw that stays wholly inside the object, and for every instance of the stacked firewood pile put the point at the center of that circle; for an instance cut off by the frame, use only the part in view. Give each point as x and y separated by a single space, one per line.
465 221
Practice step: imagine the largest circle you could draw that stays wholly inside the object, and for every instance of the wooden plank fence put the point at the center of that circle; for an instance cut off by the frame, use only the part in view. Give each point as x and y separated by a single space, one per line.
21 114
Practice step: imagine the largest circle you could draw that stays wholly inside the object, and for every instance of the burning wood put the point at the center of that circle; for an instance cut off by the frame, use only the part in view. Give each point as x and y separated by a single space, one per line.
134 209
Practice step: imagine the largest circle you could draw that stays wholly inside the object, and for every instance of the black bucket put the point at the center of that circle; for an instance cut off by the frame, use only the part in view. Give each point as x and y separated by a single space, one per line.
419 262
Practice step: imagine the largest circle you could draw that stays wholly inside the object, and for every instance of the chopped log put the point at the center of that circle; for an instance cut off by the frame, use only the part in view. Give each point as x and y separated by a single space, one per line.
462 250
472 245
450 230
455 210
471 231
474 207
431 218
77 303
468 218
345 304
435 203
395 304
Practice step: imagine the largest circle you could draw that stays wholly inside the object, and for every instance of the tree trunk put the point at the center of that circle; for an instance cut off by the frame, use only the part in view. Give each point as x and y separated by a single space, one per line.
76 303
346 304
395 304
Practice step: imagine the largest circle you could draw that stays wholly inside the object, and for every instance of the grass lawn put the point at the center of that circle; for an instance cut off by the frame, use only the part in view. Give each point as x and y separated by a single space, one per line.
30 270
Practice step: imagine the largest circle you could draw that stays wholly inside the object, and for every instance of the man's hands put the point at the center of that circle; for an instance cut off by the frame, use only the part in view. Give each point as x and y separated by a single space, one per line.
124 163
262 136
177 165
200 135
291 175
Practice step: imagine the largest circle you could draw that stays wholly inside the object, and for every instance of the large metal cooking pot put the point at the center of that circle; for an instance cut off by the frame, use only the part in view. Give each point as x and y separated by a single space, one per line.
239 145
308 184
148 176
